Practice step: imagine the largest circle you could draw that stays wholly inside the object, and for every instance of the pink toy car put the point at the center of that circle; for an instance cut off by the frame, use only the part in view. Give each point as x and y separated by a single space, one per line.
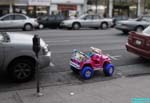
87 63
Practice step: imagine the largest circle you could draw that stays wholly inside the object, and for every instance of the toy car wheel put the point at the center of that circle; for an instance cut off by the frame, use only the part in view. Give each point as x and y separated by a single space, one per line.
74 69
87 72
108 69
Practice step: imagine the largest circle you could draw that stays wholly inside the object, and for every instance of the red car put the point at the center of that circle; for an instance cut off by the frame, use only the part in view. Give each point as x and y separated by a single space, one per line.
139 43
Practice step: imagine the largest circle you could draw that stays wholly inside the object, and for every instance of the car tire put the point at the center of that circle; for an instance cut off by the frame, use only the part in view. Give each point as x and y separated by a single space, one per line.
21 70
108 69
74 69
76 26
139 29
104 25
87 72
28 27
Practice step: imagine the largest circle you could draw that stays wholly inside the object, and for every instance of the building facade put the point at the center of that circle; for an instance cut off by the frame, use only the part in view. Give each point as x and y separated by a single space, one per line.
67 7
32 8
106 8
110 8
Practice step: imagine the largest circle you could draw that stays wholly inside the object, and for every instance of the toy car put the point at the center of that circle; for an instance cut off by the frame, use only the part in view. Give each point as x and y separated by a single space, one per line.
87 63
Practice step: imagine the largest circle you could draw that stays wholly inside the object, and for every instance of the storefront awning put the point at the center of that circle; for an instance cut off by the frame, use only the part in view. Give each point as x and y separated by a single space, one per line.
67 1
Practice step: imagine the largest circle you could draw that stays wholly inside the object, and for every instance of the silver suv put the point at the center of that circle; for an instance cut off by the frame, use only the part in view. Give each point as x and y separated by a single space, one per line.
20 21
18 58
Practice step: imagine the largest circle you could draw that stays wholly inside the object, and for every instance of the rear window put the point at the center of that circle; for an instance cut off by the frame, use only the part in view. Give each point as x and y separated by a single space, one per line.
59 17
9 17
147 31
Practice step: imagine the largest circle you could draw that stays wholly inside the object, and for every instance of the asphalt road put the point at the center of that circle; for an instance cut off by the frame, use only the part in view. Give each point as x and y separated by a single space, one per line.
62 43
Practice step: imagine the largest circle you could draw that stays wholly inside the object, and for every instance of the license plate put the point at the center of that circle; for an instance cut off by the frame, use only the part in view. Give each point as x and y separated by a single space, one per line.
138 42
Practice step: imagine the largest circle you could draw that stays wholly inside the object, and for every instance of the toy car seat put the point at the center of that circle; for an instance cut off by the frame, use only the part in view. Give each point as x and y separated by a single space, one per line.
95 58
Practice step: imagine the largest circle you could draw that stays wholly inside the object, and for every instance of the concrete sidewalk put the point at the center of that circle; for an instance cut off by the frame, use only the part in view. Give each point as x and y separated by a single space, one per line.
113 91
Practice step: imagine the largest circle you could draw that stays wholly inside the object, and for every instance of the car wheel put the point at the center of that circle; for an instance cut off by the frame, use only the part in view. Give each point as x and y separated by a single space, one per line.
28 27
139 29
104 25
22 70
87 72
74 69
108 69
41 26
76 26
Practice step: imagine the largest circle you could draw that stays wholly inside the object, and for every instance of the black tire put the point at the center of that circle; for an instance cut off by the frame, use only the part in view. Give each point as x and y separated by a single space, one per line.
28 27
76 26
21 70
104 25
139 28
74 69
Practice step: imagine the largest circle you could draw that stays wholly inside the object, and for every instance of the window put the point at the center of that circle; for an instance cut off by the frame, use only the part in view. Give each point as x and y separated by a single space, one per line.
96 17
9 17
59 17
19 17
51 18
88 17
146 18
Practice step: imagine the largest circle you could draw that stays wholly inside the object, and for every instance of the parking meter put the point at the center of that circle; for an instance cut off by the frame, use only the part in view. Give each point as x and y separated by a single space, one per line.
36 48
36 44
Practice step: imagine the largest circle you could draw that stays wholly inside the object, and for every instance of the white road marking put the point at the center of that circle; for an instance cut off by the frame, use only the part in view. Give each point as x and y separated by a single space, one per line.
59 41
114 57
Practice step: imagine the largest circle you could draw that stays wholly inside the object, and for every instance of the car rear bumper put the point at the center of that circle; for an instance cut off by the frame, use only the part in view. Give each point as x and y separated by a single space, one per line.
137 51
45 60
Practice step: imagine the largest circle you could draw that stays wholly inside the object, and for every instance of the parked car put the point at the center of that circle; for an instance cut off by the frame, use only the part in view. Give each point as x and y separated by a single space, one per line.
138 24
139 43
20 21
87 21
18 58
50 21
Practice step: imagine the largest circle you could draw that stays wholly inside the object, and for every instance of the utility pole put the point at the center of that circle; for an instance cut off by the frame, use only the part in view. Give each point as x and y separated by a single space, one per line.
96 4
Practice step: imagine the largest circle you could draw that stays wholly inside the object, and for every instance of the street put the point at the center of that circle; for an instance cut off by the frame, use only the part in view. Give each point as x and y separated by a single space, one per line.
62 43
